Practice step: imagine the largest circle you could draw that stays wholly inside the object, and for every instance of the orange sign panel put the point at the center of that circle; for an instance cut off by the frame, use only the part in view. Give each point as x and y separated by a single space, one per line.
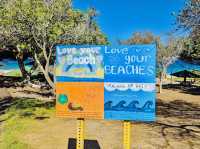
80 99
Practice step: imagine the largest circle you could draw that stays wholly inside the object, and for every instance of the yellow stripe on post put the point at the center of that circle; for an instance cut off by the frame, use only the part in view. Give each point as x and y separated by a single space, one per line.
80 134
127 134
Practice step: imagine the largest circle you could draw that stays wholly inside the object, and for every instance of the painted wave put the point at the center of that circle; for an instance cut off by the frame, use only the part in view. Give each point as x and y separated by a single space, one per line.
132 106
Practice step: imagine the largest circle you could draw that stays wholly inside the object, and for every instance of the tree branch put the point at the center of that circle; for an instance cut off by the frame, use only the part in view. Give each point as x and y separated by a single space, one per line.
34 37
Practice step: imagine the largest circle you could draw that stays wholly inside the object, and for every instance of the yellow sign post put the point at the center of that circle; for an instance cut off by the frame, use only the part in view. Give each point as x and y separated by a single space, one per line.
80 134
127 134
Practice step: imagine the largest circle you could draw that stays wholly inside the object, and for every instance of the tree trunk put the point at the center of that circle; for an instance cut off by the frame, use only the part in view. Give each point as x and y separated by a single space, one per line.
45 71
48 79
20 61
185 79
160 84
162 75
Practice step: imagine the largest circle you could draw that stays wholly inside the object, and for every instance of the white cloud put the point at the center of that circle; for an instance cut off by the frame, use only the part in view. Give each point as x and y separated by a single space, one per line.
148 87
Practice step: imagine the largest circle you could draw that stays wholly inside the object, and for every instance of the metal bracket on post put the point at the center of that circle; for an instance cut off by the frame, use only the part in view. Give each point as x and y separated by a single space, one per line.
80 134
127 134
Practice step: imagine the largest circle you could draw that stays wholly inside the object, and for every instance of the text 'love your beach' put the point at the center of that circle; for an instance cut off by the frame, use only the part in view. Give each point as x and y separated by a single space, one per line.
117 61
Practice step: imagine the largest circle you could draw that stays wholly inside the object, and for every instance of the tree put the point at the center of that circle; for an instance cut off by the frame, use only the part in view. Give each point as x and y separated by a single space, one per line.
139 38
189 16
10 38
19 52
39 25
167 55
189 20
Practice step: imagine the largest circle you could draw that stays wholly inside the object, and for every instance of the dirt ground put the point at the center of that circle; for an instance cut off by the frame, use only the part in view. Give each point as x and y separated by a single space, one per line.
177 127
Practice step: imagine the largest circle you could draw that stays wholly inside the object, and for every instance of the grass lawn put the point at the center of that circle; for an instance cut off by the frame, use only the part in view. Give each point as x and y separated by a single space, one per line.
19 119
17 72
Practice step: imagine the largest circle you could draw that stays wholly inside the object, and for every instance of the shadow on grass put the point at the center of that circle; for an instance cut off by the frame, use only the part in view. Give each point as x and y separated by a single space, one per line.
193 90
5 103
182 110
178 108
27 107
179 128
43 94
8 81
41 117
178 132
23 103
15 81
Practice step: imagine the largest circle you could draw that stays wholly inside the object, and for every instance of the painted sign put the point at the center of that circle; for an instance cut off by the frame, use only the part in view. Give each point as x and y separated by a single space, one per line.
129 85
79 63
116 83
79 81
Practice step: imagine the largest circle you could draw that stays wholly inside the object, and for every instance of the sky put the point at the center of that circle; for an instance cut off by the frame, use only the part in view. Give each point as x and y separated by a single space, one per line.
119 19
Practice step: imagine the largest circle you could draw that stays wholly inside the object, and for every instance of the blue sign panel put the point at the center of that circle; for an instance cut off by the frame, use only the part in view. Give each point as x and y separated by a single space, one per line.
129 82
128 64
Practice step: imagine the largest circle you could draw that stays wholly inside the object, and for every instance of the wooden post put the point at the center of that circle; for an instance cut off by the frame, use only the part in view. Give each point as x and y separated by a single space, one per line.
127 134
80 134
